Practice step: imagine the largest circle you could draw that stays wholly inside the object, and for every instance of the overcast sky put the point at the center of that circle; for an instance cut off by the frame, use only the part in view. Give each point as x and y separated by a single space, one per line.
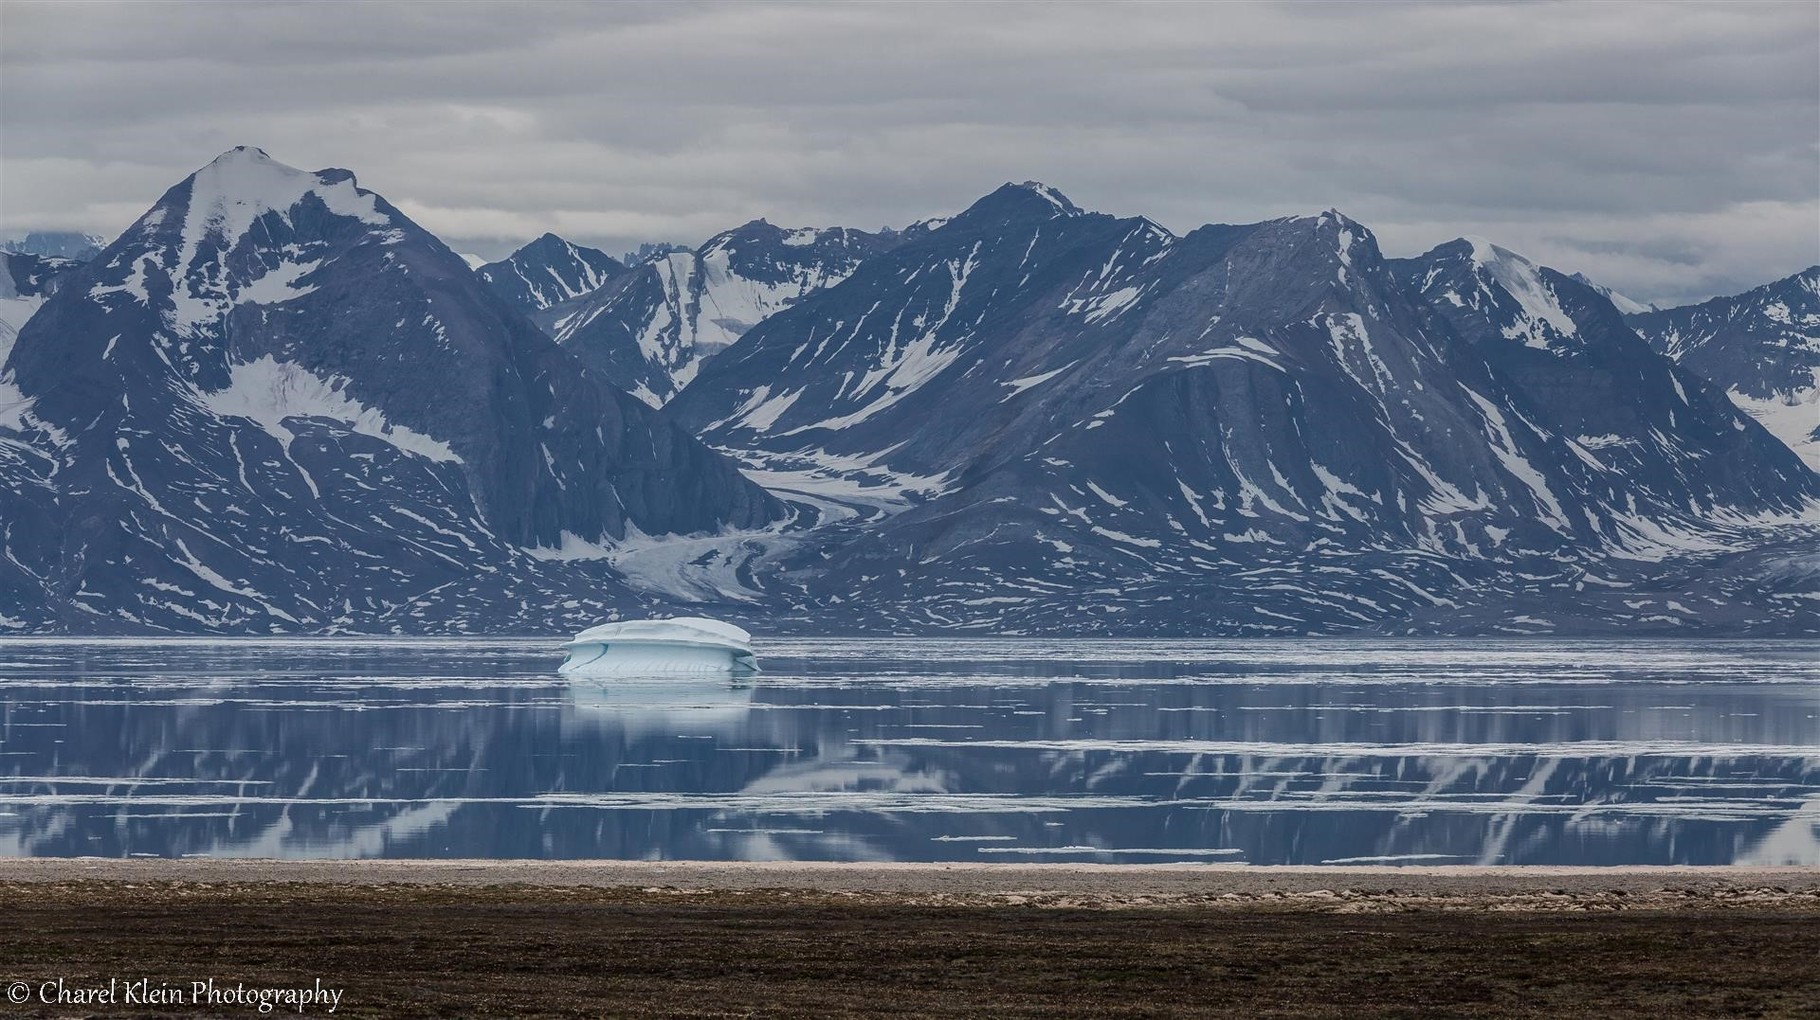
1670 150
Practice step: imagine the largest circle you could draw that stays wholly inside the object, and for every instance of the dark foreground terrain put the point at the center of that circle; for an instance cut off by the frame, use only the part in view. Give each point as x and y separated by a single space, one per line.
1340 948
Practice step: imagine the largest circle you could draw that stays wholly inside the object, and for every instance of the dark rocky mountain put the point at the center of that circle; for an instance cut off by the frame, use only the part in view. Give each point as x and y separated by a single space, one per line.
651 329
549 271
1762 348
25 282
61 244
1064 420
276 403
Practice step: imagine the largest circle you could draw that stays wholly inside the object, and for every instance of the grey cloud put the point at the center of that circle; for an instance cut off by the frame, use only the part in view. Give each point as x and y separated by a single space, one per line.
1669 150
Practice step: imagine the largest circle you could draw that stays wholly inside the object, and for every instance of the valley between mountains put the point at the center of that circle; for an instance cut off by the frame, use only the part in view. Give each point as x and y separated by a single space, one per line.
275 404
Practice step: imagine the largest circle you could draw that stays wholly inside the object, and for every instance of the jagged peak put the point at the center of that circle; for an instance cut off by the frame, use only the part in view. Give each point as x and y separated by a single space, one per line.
1326 222
764 231
758 230
1329 228
1326 217
757 226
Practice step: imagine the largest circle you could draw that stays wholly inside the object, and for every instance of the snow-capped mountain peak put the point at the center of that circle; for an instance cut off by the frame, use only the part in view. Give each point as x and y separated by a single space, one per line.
243 184
245 229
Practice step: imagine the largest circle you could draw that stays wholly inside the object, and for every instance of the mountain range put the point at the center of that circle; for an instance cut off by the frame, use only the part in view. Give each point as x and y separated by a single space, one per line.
275 403
58 244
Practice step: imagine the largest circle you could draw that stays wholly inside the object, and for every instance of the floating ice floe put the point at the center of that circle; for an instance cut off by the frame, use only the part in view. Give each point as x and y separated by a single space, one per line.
685 645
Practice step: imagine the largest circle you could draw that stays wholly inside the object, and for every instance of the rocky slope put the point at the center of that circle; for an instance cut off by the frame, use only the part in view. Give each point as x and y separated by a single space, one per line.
549 271
1761 347
651 329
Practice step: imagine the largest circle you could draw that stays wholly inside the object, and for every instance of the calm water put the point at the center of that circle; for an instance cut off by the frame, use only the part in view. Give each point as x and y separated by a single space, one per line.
1308 752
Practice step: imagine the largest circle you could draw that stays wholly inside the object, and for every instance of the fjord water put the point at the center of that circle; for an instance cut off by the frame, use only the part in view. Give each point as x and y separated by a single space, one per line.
1269 752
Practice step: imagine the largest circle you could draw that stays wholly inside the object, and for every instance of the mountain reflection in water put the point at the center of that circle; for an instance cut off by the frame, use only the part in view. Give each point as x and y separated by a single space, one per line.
1303 752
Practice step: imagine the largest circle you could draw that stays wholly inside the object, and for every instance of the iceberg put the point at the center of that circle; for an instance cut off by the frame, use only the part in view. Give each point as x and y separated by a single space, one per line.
684 645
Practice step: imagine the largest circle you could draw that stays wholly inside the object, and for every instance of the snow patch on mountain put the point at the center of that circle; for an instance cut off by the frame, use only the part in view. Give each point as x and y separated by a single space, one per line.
15 406
269 392
278 285
1055 198
15 310
1541 309
1793 417
1017 386
1619 301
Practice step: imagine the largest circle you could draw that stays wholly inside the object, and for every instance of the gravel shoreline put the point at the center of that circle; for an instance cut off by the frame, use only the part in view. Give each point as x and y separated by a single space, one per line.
1068 885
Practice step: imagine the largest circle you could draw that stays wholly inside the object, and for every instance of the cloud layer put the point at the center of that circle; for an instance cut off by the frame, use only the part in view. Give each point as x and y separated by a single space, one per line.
1669 150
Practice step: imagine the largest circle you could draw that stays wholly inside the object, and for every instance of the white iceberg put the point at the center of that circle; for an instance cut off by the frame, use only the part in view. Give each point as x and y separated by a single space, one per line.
685 645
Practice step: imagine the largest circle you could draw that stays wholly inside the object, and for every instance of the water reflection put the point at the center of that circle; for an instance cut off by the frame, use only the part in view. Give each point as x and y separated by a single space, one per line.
1269 752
